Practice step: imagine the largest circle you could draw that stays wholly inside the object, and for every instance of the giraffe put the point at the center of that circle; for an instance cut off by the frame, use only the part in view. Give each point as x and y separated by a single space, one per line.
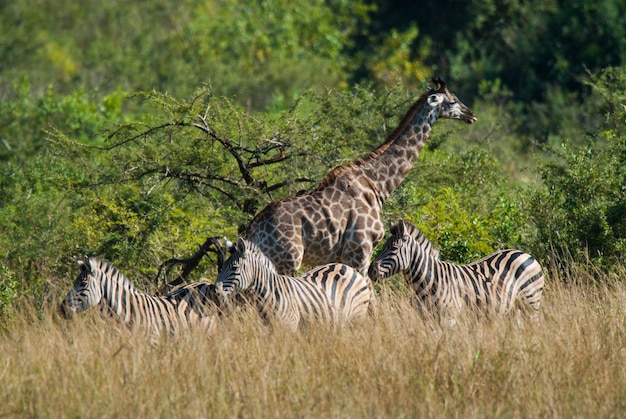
340 220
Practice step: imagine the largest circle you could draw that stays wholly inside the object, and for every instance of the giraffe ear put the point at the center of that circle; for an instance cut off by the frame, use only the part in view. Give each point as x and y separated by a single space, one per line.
435 100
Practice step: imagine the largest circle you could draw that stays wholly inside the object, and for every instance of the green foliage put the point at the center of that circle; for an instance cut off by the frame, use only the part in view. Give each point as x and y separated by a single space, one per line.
254 51
539 50
35 184
462 202
276 47
580 208
534 45
8 291
395 62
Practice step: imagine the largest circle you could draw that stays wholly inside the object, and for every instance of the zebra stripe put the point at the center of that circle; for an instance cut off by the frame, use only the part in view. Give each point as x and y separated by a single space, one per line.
333 293
101 284
497 281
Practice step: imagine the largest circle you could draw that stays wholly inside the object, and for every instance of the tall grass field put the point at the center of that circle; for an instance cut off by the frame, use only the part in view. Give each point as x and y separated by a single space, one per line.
569 362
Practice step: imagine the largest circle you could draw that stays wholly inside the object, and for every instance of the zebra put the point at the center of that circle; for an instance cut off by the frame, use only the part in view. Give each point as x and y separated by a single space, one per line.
101 284
497 282
335 293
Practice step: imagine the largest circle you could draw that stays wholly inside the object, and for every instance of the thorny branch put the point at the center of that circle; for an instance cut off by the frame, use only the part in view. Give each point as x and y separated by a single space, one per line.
212 244
268 152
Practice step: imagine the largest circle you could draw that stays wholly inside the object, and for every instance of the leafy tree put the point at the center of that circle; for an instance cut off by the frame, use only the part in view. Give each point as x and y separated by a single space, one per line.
539 50
262 53
36 185
580 208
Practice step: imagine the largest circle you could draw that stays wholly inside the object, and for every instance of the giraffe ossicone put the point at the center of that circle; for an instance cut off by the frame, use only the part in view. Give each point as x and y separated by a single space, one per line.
340 220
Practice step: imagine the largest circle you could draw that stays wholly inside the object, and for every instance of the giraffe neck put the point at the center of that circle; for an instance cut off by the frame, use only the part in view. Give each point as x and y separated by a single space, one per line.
388 165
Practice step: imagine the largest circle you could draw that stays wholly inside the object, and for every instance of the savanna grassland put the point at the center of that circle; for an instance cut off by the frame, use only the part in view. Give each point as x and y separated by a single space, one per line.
570 362
133 131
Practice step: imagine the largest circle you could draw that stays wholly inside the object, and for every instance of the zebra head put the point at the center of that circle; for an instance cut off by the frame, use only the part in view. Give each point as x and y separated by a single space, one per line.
240 271
399 251
392 259
86 291
446 105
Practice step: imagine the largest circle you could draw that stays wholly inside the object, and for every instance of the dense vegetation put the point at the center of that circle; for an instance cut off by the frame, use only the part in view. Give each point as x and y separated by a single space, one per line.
134 130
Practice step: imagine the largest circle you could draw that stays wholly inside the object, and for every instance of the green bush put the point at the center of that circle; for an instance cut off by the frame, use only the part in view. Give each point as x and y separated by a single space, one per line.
8 291
463 202
580 208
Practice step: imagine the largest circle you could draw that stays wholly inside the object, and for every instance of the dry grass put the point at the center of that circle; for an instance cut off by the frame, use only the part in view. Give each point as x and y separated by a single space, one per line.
571 362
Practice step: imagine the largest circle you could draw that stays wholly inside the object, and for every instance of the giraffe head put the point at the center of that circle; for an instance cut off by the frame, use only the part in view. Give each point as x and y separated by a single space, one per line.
447 105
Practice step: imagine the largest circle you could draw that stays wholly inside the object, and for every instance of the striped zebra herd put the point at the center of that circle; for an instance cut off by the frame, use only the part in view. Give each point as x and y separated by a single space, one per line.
334 292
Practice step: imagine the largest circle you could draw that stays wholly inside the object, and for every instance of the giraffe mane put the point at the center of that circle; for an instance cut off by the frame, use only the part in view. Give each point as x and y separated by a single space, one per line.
337 171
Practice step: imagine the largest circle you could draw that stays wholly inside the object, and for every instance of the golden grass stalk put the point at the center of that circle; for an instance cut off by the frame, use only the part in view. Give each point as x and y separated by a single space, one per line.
570 362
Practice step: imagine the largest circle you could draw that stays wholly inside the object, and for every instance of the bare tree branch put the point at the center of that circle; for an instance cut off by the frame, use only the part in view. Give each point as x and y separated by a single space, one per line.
212 244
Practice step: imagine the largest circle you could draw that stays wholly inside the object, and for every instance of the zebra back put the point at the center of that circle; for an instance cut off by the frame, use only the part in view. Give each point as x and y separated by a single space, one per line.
496 282
101 284
333 292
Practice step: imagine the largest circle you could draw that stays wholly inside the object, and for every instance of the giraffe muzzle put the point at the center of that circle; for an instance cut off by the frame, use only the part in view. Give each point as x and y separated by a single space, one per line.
470 118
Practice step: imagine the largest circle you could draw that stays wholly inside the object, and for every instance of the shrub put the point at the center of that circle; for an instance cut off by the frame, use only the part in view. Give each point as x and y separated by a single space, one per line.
581 205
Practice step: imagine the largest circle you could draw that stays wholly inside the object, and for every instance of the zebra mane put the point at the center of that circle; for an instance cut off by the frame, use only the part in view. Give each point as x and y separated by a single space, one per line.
246 248
109 270
404 227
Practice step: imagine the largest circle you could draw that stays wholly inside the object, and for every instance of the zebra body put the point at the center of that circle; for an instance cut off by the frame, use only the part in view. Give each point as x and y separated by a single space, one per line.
334 293
101 284
496 282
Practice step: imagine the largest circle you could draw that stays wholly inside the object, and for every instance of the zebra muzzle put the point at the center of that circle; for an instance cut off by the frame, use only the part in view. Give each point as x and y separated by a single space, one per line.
374 271
65 310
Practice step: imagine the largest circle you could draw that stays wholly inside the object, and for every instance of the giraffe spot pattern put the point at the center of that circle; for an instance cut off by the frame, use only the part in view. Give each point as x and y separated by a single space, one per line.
340 220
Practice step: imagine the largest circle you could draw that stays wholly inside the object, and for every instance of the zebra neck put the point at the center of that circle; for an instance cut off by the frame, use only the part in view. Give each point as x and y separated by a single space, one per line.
423 270
119 296
264 284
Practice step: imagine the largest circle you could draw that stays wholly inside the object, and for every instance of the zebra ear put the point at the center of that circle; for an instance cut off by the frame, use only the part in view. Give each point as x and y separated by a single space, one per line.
84 264
401 227
240 247
393 227
228 246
